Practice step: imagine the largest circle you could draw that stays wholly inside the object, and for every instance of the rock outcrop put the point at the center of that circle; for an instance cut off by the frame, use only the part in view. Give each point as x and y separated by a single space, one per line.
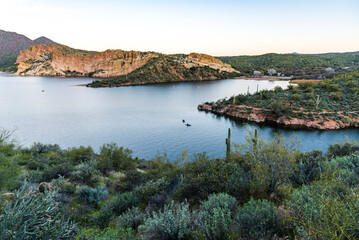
60 60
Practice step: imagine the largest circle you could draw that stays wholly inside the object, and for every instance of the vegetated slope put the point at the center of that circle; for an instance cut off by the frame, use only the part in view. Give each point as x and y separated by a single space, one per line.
329 104
120 67
268 190
298 65
12 43
166 69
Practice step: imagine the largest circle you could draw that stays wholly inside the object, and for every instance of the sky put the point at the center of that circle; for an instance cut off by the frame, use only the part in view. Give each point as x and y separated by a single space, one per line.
215 27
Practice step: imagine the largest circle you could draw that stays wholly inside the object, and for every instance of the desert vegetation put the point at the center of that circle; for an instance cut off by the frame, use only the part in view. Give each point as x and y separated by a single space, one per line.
260 190
311 66
331 103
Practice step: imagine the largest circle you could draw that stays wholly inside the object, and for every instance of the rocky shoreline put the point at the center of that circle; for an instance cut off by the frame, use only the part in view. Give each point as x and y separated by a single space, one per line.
240 112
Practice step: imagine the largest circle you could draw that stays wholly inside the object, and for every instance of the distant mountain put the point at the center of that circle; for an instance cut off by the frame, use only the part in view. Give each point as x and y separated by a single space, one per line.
11 43
44 41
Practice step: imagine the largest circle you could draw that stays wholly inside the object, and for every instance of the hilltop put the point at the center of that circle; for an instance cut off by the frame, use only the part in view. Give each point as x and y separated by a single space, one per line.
120 67
11 43
309 66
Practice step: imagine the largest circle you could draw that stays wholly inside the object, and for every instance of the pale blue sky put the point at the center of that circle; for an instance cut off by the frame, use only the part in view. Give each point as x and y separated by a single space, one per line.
218 28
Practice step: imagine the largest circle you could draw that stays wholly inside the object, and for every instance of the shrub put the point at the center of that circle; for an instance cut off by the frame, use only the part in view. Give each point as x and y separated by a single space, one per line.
9 171
81 154
277 89
86 172
92 195
309 167
296 97
343 149
326 210
132 218
116 207
151 188
113 158
173 222
54 171
257 219
239 186
35 214
39 148
206 176
272 165
214 218
279 109
346 168
131 180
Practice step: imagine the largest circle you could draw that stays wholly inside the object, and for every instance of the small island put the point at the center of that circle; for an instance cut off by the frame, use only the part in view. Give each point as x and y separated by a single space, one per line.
328 104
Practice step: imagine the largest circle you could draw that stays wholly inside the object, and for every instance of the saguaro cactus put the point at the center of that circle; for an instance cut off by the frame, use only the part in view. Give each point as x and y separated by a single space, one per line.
255 140
317 102
228 143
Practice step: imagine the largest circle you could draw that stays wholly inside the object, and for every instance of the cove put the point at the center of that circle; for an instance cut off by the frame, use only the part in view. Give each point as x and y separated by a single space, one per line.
146 119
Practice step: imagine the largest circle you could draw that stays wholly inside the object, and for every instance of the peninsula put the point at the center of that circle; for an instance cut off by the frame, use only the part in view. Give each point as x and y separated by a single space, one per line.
328 104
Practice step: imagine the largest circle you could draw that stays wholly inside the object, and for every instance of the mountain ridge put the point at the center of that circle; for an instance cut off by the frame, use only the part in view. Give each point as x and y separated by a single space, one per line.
11 43
137 67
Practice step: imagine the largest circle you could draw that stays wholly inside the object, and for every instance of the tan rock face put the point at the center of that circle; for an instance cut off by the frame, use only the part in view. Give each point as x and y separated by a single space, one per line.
207 60
59 60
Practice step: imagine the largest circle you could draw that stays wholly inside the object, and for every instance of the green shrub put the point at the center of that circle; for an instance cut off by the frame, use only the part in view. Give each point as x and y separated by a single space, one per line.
80 155
86 173
277 89
115 207
214 218
173 222
258 219
151 188
346 168
9 171
39 148
326 210
132 218
113 158
131 180
342 149
33 214
296 97
309 167
54 171
92 195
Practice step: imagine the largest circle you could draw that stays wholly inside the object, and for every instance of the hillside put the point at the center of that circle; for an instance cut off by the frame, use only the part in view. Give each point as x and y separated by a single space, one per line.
311 66
120 67
329 104
169 68
12 43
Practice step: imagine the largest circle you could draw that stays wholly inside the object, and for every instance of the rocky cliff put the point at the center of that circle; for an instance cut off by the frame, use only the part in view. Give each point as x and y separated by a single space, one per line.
59 60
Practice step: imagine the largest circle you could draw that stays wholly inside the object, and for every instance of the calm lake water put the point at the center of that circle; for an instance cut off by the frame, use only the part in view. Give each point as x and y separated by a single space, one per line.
146 119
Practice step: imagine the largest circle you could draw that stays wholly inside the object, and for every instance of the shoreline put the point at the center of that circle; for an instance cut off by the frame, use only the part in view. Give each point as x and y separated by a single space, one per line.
294 123
129 84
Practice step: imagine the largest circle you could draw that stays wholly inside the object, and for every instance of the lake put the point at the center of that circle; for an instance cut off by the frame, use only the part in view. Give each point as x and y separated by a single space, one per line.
146 119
